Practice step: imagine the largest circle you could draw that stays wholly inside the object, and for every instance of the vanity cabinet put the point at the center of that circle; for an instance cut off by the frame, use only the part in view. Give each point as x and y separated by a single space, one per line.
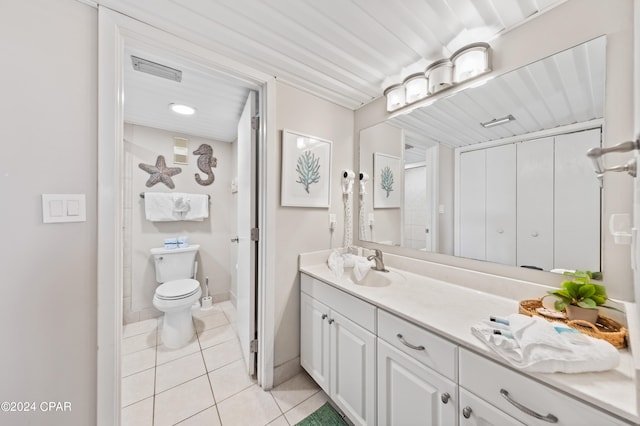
339 352
409 391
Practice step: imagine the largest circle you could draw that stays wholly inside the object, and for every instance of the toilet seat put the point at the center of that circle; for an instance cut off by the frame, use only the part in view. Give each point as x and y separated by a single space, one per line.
177 289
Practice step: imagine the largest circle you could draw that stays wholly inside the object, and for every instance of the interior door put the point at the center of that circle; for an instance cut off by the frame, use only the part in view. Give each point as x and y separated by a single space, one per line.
246 220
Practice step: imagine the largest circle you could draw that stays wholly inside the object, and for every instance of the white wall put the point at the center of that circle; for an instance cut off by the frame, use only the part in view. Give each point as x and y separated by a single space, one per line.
48 271
300 230
567 25
143 145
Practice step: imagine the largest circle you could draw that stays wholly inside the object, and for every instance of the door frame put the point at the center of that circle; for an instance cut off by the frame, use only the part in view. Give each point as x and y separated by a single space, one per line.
114 31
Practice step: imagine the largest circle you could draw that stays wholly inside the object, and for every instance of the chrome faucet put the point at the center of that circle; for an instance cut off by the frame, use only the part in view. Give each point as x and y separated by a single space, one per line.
377 257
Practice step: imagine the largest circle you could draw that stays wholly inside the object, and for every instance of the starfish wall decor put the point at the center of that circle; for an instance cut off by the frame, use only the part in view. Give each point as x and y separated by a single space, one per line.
160 172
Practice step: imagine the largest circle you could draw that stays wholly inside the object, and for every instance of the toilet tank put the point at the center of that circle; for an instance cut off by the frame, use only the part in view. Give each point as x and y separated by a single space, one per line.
174 264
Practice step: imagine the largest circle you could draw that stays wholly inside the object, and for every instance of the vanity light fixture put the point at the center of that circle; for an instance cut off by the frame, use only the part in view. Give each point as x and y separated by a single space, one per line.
497 121
470 61
466 63
182 109
415 87
440 75
396 97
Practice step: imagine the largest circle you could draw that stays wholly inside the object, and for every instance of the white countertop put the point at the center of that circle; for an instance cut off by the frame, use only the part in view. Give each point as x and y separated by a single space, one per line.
451 309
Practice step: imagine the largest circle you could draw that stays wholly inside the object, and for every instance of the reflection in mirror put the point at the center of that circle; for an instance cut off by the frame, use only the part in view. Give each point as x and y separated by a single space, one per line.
495 172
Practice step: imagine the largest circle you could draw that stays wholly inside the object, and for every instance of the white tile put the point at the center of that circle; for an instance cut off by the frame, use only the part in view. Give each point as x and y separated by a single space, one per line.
212 320
208 417
220 355
229 380
137 387
280 421
166 354
138 342
183 401
138 414
251 407
179 371
216 336
138 361
294 391
307 407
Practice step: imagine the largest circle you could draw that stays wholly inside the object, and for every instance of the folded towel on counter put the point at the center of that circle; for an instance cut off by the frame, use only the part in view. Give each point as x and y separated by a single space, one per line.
158 207
537 345
336 263
361 268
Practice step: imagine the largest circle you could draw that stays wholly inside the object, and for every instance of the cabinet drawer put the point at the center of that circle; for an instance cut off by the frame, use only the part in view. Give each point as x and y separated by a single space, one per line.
358 311
506 389
476 412
422 345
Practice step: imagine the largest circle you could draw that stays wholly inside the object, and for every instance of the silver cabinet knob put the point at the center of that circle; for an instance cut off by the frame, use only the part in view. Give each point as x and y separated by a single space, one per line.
324 316
235 239
445 397
466 412
534 234
500 231
331 320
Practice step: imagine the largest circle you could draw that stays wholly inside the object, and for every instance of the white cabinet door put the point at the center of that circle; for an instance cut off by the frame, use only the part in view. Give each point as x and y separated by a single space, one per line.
501 204
535 203
471 230
476 412
577 203
314 340
410 393
353 380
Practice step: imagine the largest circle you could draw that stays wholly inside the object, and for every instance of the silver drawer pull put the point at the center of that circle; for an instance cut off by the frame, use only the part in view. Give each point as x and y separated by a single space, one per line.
445 397
548 418
409 345
331 320
324 316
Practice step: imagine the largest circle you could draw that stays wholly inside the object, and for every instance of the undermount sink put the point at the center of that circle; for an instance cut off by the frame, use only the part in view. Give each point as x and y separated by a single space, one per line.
378 279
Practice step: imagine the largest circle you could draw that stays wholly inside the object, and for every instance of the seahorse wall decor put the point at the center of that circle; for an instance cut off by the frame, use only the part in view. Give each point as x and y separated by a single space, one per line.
206 161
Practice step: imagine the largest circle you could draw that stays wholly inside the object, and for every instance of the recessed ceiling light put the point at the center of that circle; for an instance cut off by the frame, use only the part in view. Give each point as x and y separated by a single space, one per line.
182 109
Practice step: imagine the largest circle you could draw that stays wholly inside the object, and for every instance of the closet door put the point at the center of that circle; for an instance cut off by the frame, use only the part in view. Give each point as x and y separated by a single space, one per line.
535 203
472 205
501 204
577 203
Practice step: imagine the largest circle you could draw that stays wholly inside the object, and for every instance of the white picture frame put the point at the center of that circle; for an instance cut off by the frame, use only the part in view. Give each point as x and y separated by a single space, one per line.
306 170
387 181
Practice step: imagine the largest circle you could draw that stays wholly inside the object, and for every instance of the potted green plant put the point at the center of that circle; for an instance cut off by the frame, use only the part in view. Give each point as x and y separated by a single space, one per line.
579 297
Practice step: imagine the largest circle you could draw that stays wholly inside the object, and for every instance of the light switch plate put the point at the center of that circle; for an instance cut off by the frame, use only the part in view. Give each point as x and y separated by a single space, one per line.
63 208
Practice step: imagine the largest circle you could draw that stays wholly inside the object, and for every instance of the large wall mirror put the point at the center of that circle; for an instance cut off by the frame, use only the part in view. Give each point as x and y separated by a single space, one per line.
494 172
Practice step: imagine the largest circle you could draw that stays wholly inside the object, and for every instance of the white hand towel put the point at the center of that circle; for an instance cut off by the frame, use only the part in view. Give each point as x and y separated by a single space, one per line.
181 203
158 207
536 346
199 207
350 260
361 269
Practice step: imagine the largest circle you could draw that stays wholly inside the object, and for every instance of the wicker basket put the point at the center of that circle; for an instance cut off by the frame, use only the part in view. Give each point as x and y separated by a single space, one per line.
605 328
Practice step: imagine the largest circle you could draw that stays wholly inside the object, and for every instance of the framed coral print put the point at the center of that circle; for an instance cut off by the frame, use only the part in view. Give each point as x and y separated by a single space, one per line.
306 170
386 181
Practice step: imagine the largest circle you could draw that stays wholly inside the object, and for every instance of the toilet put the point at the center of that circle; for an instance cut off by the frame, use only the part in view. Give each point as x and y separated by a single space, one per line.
177 292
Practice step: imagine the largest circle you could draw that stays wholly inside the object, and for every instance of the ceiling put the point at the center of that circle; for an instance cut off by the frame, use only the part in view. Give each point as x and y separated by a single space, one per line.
345 51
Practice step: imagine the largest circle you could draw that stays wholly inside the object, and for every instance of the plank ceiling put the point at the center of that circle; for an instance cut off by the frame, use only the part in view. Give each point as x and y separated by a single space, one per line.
345 51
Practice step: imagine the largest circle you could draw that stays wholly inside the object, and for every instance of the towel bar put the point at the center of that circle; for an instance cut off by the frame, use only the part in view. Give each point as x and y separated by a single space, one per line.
142 196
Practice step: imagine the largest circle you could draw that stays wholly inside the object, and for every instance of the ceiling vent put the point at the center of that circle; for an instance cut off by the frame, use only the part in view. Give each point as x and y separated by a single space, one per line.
156 69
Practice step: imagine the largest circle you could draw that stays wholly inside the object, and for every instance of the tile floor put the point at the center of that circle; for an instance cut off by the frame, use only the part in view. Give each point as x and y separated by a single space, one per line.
205 382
